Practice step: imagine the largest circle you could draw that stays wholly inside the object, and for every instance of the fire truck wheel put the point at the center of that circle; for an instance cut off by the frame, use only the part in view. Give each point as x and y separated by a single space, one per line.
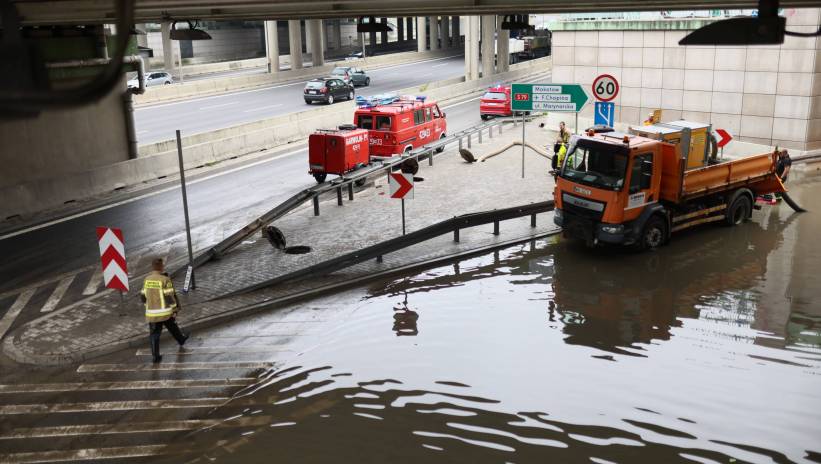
654 234
485 117
360 182
330 99
320 177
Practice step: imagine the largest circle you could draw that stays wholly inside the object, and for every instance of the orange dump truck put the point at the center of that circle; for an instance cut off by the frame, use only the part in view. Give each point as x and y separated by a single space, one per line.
639 188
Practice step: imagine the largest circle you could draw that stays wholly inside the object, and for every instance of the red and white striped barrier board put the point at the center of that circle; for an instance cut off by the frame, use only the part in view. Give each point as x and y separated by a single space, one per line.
112 253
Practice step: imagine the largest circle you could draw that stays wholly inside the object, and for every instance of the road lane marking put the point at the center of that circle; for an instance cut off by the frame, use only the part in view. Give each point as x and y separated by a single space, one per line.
106 406
175 366
210 107
57 294
220 350
147 195
126 385
18 305
299 82
195 181
439 65
89 454
94 282
262 108
133 427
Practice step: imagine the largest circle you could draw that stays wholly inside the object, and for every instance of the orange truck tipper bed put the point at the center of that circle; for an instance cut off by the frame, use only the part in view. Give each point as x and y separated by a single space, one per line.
639 188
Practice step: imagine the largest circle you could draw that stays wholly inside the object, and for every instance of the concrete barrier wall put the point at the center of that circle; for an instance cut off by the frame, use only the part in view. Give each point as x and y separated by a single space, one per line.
160 159
204 87
209 68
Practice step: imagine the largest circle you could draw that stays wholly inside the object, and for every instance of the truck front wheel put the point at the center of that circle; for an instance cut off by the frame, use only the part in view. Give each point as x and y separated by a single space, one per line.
654 234
739 211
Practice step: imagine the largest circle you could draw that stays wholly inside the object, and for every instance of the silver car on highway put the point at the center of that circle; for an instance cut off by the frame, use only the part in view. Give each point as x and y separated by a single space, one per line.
153 78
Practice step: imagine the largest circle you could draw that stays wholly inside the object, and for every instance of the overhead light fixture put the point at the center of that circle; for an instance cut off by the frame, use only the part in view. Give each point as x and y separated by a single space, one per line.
371 25
192 33
766 29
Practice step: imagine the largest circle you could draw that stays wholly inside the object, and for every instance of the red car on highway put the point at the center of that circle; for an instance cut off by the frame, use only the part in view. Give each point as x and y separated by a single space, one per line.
495 102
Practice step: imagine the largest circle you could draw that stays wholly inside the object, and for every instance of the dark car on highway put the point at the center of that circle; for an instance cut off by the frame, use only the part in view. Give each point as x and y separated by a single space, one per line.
327 90
351 75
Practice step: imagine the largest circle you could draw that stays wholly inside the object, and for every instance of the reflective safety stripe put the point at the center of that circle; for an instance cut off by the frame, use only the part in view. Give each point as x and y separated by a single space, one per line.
159 312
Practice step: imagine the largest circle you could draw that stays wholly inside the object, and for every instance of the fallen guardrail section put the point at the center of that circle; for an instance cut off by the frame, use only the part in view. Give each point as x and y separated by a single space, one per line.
453 225
344 182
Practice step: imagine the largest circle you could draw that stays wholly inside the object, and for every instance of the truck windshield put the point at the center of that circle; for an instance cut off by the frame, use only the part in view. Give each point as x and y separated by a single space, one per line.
594 166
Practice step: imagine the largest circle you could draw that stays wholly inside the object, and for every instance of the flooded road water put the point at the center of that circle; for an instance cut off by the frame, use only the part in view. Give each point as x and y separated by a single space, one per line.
708 350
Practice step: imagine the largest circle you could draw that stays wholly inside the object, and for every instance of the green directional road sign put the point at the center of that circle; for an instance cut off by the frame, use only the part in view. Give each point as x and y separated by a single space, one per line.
548 97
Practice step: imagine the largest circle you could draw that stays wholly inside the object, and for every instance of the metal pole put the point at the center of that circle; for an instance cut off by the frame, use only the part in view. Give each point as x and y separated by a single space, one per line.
350 191
576 127
185 210
523 144
403 216
363 45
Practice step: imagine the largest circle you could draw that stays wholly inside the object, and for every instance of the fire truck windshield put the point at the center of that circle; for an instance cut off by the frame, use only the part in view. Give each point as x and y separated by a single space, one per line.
597 165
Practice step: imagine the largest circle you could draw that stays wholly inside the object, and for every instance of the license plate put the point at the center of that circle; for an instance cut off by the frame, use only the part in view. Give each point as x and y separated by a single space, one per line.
312 91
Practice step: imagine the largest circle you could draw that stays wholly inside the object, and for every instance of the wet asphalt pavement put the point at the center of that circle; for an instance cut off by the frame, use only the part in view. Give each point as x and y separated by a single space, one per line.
707 350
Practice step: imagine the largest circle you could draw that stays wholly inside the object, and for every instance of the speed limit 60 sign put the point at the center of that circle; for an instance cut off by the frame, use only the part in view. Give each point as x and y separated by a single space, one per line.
605 87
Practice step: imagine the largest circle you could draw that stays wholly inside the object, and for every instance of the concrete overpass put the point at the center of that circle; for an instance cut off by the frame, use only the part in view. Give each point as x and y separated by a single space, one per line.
93 11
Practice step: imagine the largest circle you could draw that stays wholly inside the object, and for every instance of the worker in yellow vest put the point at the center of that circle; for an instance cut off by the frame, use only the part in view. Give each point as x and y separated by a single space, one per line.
161 307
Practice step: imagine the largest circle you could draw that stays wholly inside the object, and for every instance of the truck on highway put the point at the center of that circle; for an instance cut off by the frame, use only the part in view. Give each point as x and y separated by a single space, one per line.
640 187
535 46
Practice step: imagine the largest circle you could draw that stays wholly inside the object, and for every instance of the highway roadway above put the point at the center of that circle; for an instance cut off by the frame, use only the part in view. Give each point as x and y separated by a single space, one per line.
158 122
228 199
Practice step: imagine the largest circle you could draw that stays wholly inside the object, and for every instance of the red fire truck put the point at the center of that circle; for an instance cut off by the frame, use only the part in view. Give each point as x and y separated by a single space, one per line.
337 151
398 125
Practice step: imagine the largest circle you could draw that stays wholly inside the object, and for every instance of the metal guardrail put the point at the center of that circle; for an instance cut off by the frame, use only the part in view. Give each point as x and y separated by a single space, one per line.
347 181
453 225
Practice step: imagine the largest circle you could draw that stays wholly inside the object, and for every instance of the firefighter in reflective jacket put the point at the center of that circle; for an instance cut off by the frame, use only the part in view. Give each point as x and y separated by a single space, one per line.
161 307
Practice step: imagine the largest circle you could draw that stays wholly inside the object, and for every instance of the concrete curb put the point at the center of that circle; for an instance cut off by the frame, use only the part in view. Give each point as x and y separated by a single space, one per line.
10 349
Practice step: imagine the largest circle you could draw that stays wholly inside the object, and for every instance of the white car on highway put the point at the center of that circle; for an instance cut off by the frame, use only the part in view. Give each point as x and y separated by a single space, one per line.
154 78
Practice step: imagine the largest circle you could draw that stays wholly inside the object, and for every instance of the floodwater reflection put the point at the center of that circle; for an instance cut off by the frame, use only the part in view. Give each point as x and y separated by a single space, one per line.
708 350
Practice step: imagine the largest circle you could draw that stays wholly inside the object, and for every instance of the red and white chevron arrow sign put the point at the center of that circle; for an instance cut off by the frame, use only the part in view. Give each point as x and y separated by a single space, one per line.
112 252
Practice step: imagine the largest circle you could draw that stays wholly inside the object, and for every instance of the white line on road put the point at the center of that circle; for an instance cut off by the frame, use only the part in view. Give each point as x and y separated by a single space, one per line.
170 366
439 65
147 195
262 108
132 385
94 282
300 82
15 409
133 427
168 189
217 106
89 454
14 311
221 350
57 294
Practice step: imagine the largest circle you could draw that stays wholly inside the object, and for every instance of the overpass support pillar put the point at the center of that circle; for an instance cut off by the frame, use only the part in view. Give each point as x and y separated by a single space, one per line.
383 36
317 52
488 44
446 32
434 33
400 29
502 47
420 34
471 48
272 46
456 33
167 48
295 43
409 26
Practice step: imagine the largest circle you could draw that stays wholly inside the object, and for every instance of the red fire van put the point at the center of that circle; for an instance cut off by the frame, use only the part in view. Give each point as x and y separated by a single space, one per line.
337 151
399 124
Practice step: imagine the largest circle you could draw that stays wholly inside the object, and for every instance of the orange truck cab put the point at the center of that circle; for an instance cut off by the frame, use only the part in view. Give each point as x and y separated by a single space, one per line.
495 102
398 125
639 188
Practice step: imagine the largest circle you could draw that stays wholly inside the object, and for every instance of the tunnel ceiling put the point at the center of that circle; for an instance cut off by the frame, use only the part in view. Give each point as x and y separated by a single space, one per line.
97 11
